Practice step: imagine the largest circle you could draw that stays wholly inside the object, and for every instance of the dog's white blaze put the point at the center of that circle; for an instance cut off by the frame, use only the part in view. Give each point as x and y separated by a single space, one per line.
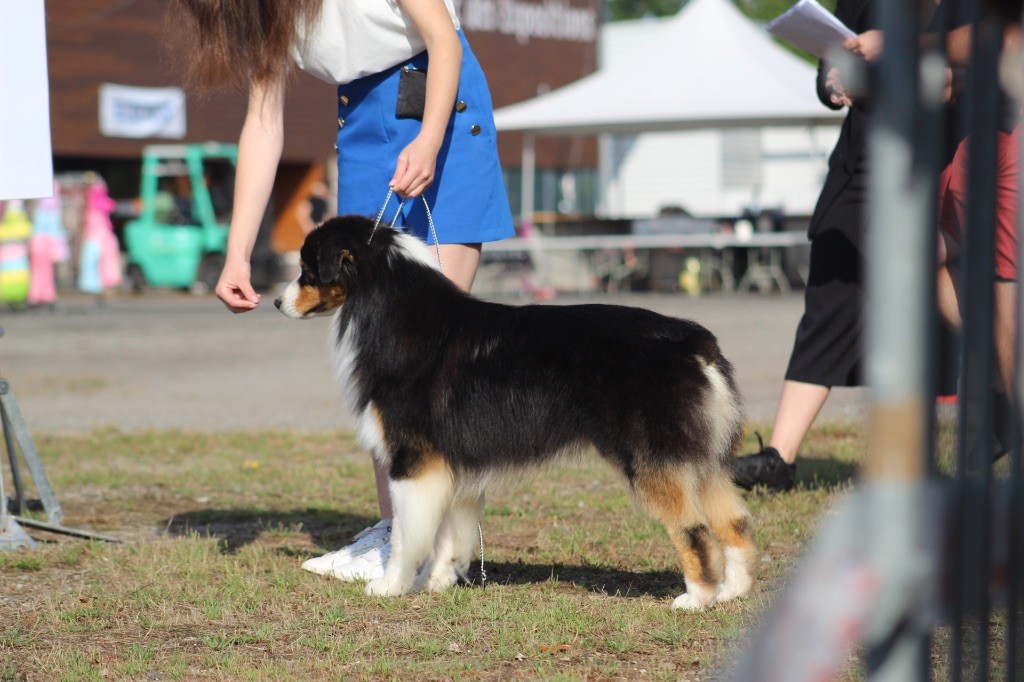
738 580
415 249
288 298
722 411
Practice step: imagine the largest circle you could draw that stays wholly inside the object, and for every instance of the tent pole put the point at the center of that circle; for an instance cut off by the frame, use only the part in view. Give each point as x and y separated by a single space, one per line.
605 164
529 164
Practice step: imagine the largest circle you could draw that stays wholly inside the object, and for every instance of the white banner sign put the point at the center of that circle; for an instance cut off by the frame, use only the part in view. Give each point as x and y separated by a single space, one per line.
26 161
551 19
134 112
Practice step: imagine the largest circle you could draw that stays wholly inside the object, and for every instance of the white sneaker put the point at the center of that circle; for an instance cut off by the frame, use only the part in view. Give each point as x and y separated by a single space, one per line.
367 540
369 565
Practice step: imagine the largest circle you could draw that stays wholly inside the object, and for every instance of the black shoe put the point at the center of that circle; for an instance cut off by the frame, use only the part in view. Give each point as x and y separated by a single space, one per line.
765 468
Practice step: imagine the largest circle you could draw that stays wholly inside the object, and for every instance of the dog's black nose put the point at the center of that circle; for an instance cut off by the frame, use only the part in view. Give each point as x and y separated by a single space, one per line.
277 302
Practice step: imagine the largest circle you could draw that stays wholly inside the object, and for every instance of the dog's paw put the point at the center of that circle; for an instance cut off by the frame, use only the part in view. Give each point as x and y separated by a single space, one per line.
441 578
382 587
735 587
688 602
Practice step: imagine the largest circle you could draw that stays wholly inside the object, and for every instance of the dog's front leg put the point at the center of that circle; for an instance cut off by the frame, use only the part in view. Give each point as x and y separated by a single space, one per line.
419 502
455 543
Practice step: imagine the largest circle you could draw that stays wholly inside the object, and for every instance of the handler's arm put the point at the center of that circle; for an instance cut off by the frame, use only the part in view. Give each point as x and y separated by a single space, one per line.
415 169
259 150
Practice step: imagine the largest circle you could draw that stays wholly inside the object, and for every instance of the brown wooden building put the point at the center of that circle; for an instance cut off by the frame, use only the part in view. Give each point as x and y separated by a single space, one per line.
525 47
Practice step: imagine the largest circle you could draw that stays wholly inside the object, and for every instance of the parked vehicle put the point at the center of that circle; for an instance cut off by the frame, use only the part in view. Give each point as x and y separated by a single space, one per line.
180 235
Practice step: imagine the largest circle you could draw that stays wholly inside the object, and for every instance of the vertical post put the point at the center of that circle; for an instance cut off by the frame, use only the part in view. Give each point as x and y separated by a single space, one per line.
529 163
12 535
1015 531
977 403
51 506
899 321
3 502
606 174
900 276
12 458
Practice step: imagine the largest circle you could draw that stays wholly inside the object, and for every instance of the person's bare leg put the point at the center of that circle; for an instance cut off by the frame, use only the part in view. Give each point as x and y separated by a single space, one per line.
1005 305
946 298
798 407
383 492
460 263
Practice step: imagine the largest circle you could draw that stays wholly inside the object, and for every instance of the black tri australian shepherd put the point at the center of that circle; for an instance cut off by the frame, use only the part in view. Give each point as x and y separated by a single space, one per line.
452 394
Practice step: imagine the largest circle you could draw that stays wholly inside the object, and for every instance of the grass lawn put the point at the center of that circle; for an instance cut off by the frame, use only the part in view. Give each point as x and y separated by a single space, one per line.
208 585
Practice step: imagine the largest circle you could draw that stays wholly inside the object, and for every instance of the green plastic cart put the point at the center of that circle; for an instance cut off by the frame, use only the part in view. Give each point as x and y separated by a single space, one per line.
179 240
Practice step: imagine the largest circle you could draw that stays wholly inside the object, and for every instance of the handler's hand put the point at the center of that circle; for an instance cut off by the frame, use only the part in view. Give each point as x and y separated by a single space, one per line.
234 288
415 169
839 96
868 44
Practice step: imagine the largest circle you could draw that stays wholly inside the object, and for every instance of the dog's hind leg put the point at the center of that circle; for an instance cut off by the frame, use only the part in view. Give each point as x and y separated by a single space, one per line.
455 543
731 523
672 495
420 500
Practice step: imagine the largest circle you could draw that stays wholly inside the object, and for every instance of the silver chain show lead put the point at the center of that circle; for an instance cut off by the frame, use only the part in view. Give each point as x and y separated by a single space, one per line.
430 222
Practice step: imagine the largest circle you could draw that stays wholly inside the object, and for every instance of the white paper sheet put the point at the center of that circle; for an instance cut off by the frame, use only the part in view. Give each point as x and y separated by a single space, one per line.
810 27
26 160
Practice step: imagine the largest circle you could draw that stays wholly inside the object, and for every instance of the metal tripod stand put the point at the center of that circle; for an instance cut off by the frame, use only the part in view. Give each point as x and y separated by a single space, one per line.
12 519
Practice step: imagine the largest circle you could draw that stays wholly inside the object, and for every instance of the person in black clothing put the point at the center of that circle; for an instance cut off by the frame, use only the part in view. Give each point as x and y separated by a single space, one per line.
828 348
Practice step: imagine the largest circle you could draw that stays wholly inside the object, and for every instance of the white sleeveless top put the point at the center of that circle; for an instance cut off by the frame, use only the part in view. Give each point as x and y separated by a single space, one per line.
356 38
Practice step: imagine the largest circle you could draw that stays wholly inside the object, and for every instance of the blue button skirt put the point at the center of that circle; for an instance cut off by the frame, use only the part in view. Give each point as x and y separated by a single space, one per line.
467 198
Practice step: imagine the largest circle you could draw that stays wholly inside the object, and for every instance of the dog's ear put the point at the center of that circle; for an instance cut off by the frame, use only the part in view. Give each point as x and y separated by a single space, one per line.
334 269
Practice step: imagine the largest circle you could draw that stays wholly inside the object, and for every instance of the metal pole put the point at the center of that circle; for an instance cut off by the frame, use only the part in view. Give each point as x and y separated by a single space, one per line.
875 565
529 172
978 403
1015 529
54 514
12 536
12 458
899 321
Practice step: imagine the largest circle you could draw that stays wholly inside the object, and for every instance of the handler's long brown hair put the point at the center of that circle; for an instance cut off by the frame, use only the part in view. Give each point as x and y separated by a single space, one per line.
231 43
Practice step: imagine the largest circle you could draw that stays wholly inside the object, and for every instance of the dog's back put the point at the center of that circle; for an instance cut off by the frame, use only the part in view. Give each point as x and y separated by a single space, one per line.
641 387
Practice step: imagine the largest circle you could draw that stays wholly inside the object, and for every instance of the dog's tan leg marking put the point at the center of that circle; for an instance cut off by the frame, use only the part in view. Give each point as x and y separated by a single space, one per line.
731 522
420 503
672 497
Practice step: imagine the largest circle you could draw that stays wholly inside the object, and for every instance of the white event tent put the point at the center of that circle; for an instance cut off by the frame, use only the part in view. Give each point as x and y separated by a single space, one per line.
708 67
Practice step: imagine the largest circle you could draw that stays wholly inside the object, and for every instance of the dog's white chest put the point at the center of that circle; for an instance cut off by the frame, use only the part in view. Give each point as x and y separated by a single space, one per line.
369 430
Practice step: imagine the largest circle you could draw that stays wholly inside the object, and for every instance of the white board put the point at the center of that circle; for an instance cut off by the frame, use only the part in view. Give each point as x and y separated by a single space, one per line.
26 158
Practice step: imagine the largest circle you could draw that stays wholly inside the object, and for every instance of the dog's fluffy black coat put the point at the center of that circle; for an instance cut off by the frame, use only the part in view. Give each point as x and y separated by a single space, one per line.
453 392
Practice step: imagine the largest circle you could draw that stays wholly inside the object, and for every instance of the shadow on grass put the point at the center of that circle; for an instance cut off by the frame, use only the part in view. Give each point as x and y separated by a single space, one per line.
236 528
597 579
329 529
813 473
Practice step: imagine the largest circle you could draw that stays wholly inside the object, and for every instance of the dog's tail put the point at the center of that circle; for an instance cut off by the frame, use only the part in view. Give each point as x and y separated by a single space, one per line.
723 409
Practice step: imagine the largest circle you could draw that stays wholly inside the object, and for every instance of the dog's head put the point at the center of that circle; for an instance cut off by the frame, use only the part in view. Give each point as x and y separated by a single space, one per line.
338 258
330 262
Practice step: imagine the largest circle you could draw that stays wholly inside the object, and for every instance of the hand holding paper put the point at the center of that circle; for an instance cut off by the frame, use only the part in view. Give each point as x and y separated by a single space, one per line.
868 45
810 27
